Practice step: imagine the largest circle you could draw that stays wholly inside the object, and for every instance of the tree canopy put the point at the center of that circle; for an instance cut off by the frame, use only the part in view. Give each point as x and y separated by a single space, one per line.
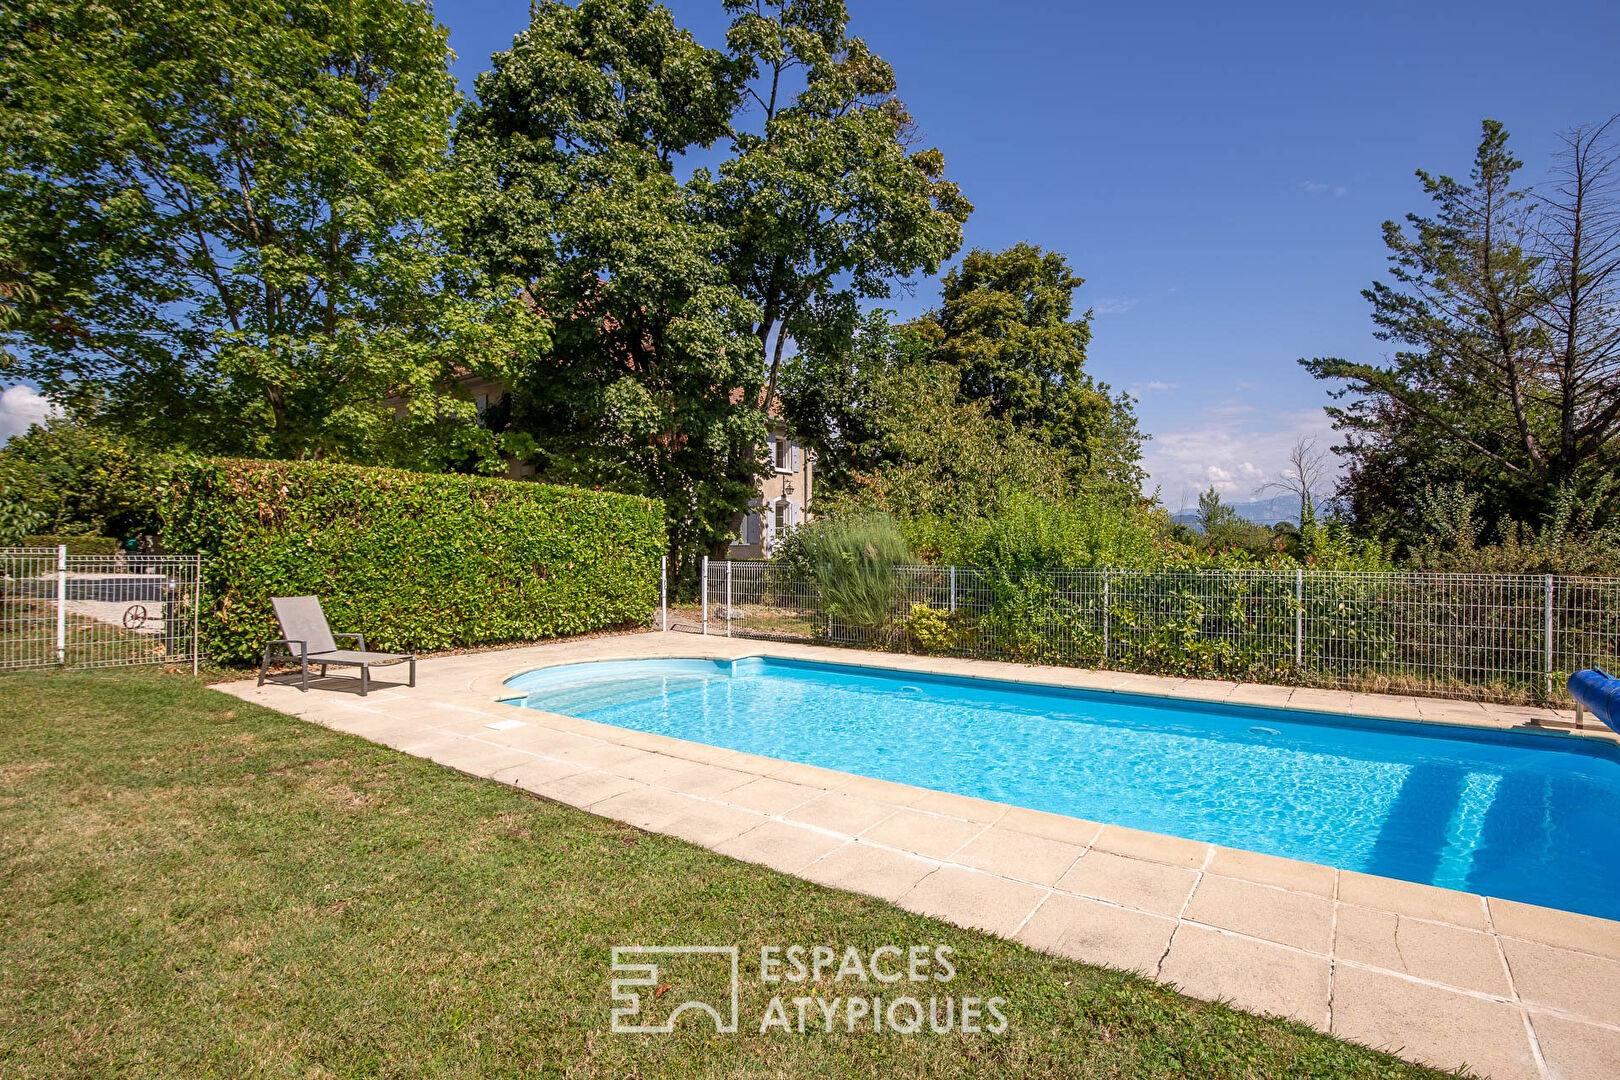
826 199
1504 306
1005 325
652 381
989 386
666 294
232 223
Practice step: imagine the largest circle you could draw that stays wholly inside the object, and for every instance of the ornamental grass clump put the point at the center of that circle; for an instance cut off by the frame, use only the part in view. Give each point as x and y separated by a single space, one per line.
852 562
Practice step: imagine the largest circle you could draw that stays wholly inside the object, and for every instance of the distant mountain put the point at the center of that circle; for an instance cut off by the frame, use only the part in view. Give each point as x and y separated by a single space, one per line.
1263 512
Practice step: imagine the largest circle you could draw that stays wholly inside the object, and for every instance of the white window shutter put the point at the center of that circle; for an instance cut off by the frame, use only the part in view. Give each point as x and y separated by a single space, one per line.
794 462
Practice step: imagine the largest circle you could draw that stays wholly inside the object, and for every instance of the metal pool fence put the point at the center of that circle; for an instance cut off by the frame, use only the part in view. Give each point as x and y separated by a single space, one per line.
61 610
1487 636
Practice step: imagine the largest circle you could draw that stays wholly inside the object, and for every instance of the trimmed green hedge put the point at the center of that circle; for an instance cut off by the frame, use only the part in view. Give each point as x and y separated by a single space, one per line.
416 562
76 545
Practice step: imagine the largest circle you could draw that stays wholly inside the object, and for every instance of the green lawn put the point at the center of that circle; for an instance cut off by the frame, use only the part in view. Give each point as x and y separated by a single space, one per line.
197 887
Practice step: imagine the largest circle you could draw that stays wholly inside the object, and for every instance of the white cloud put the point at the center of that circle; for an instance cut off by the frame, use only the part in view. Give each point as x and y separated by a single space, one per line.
1338 191
1152 386
1233 449
21 407
1113 305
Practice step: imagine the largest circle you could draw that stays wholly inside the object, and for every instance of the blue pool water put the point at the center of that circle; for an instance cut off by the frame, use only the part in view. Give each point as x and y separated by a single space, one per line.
1521 816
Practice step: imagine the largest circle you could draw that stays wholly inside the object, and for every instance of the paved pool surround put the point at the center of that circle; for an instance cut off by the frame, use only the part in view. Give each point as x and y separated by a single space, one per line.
1452 979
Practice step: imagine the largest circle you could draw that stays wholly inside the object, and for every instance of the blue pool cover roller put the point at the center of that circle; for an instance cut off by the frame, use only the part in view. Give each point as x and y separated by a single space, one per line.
1598 693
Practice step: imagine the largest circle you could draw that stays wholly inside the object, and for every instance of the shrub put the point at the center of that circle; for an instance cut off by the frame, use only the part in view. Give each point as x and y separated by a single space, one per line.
1028 533
1566 543
73 478
76 545
416 562
933 631
17 518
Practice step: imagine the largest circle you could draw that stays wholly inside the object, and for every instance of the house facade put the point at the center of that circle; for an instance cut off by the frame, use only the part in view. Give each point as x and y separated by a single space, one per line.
783 500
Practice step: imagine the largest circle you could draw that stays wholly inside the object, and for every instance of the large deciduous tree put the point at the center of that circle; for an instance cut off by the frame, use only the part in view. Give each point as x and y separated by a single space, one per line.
1005 348
653 382
675 302
842 401
1005 325
826 199
1504 307
228 221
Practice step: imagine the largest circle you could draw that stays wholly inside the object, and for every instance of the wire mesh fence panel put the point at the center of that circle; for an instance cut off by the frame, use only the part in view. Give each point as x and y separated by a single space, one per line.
762 600
1474 634
97 610
28 607
1586 626
1237 624
1503 637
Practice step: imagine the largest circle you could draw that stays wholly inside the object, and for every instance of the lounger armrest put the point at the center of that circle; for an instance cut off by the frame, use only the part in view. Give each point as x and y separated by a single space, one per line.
298 652
361 638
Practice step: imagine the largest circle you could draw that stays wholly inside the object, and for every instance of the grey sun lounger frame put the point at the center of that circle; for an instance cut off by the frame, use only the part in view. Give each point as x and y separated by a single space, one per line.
309 640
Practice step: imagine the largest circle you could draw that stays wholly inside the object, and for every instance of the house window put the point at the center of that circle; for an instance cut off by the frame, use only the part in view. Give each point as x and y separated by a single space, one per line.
782 517
784 456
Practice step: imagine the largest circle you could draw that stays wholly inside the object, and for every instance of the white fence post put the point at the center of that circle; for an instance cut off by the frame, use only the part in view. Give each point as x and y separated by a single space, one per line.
703 591
1299 617
1107 579
728 598
663 589
61 604
196 613
953 589
1549 635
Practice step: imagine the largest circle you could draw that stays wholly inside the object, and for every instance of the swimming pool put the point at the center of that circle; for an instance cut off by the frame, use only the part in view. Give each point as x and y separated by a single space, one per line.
1520 816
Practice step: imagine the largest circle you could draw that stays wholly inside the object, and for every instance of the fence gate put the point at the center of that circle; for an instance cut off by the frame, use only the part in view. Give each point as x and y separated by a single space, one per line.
83 611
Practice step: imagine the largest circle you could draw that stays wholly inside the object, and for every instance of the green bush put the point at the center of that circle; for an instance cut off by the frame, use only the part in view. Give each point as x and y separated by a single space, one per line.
73 478
416 562
933 631
76 545
1028 533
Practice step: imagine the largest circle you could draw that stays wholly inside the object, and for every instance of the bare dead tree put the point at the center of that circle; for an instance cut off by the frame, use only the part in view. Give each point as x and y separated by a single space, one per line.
1577 232
1306 476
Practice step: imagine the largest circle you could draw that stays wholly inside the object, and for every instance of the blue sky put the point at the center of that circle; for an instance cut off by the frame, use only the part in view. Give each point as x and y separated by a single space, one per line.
1217 172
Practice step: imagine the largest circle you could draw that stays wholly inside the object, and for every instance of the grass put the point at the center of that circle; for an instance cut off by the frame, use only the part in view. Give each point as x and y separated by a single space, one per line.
194 886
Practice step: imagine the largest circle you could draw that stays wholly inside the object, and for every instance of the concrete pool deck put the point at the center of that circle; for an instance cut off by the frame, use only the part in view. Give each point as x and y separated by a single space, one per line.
1446 978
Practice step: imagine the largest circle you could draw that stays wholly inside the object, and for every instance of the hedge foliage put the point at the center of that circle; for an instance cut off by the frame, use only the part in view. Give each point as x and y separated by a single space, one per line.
76 545
416 562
